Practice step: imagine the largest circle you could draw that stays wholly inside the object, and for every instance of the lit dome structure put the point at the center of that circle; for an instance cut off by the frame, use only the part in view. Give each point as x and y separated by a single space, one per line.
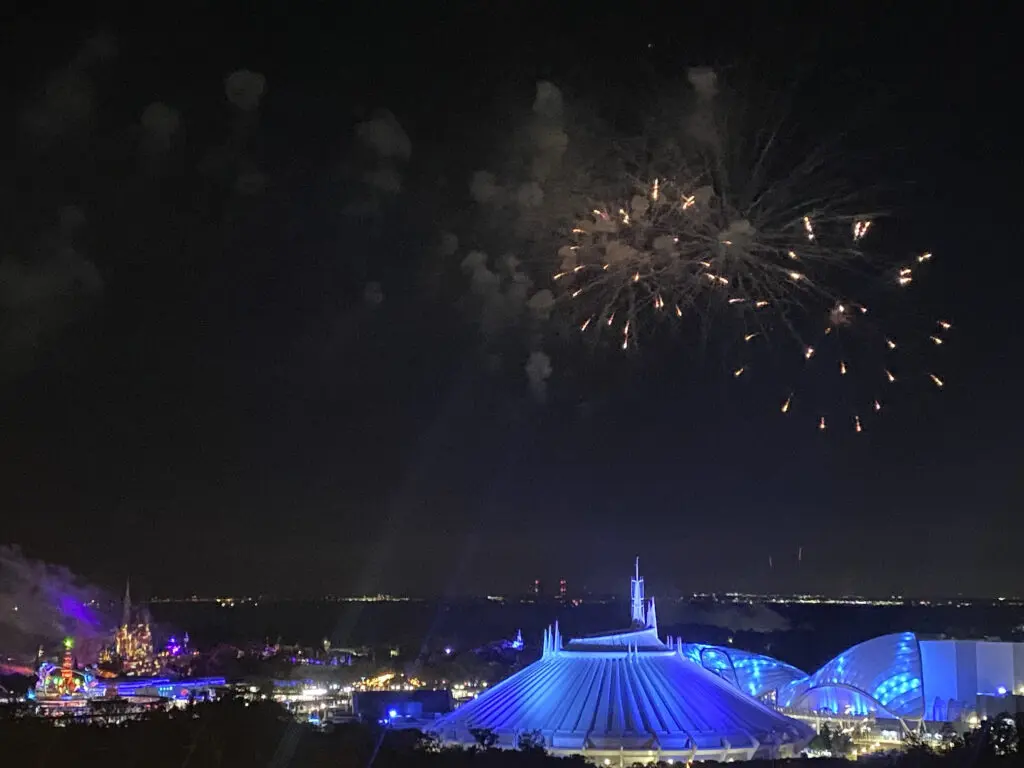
912 678
625 696
753 673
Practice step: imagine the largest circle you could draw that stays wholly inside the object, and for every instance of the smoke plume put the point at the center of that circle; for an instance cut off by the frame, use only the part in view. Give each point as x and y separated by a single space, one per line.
40 604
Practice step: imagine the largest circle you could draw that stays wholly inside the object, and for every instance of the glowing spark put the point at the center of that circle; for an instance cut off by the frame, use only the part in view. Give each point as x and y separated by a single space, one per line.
809 353
585 324
605 267
704 263
636 277
860 228
856 423
890 343
738 372
577 269
658 302
655 190
935 339
938 382
924 257
944 325
905 280
863 310
559 276
625 216
821 424
877 406
749 336
760 304
688 202
890 377
785 405
736 301
625 335
578 231
577 292
828 330
793 256
723 280
808 228
795 276
679 312
905 271
597 212
842 368
611 318
840 308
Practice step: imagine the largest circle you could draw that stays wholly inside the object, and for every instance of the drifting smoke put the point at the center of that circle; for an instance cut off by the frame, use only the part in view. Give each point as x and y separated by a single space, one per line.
40 604
538 371
384 150
68 102
736 618
245 89
41 297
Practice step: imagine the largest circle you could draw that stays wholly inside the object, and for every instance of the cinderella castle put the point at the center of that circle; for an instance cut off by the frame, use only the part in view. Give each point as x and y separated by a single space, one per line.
133 642
625 696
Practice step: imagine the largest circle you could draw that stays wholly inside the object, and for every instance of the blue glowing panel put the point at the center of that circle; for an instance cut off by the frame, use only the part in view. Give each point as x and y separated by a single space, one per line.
883 673
752 673
995 668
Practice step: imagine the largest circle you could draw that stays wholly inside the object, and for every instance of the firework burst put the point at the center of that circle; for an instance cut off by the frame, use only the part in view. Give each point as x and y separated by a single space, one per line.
682 250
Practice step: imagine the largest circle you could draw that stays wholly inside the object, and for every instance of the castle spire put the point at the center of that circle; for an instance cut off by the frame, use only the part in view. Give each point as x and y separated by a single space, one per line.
126 615
637 598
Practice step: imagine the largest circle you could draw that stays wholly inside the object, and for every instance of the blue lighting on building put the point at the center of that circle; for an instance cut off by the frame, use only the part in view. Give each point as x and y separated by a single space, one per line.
881 676
627 692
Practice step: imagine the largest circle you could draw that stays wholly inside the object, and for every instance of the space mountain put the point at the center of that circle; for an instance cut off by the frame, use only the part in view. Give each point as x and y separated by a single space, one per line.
625 696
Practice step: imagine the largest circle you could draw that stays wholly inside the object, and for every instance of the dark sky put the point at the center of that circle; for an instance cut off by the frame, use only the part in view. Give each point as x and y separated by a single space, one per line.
230 415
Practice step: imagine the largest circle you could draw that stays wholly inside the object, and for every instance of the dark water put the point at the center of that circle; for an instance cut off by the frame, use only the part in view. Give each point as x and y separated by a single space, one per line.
803 635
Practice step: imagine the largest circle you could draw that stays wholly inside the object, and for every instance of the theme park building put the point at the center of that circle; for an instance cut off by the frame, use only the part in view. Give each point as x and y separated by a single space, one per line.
626 697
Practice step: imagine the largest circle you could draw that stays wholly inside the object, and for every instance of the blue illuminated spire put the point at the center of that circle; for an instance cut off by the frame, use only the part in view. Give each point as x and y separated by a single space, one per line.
652 618
637 598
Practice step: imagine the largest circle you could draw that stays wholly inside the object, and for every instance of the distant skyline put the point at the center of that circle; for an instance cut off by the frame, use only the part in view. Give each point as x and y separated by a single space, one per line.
233 358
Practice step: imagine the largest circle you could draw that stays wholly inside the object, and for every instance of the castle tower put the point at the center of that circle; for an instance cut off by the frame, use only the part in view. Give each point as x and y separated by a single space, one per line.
126 606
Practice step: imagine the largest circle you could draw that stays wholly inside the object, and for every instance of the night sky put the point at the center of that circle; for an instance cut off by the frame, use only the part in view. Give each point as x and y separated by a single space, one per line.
229 413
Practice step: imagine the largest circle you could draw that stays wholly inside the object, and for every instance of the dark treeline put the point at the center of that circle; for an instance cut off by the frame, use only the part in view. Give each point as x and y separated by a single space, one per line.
234 733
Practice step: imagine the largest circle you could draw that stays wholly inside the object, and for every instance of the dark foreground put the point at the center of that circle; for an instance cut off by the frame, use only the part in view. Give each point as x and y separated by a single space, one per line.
233 733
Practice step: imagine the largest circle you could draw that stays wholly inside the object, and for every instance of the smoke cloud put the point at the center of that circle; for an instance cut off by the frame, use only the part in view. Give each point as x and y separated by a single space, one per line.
39 298
40 604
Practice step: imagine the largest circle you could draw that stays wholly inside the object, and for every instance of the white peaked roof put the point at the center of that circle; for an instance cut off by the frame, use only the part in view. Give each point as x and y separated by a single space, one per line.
625 691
